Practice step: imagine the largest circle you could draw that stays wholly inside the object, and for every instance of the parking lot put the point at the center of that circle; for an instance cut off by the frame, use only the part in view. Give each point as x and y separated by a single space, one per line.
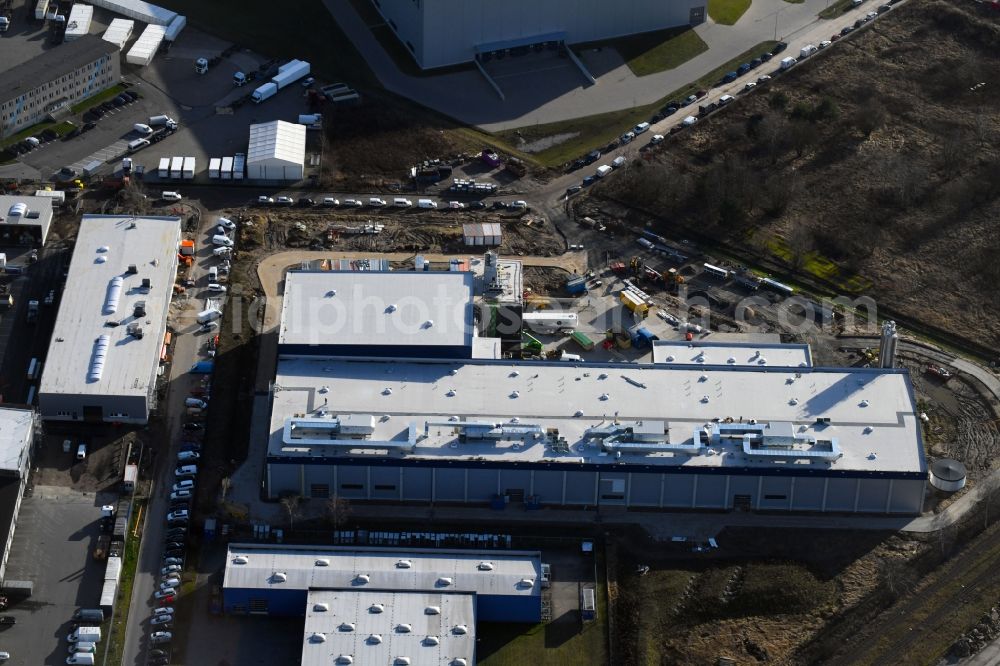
56 531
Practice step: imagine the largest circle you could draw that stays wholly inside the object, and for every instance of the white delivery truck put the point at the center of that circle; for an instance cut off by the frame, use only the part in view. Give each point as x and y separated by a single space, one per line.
290 72
266 91
787 62
208 315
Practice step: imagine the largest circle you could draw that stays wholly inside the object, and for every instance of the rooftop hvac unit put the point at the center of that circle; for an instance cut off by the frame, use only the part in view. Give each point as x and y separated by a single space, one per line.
132 270
135 331
139 310
146 284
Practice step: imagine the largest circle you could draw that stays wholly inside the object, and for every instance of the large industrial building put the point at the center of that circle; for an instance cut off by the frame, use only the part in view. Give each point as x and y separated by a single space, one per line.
105 350
377 313
439 33
54 80
586 435
262 579
17 436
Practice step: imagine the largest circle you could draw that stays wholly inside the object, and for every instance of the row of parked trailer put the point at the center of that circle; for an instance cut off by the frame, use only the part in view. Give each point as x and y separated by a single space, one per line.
227 168
177 168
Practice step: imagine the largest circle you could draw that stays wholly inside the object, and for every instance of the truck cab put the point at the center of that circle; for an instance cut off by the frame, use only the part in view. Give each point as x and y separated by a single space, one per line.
239 79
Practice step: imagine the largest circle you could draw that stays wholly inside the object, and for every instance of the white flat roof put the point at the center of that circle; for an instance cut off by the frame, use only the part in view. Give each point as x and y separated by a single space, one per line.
429 628
105 248
16 427
39 213
411 410
752 354
428 570
432 308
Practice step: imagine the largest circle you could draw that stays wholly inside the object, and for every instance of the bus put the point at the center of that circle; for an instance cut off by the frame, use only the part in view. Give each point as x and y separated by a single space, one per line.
778 286
720 273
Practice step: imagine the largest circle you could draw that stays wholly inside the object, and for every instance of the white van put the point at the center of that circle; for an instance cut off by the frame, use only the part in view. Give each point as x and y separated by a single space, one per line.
82 658
171 196
213 274
375 202
426 203
603 171
81 451
807 51
640 128
222 239
137 144
400 202
186 470
83 646
618 162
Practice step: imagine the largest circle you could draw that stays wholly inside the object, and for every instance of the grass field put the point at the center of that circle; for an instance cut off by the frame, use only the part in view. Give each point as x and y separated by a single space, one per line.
256 24
102 96
652 52
598 130
836 9
727 12
814 263
116 640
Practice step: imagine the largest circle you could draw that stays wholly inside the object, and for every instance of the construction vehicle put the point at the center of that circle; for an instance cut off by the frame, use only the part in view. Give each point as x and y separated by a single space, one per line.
530 344
583 340
515 167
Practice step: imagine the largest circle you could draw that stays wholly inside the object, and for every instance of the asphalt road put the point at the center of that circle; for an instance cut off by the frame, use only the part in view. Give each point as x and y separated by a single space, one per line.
151 551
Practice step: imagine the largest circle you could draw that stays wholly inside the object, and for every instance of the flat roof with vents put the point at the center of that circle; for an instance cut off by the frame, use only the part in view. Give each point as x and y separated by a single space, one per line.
21 216
751 354
16 433
254 566
94 350
560 415
426 628
377 313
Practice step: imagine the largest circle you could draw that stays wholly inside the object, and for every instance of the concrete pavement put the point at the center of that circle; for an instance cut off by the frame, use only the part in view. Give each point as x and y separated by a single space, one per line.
466 96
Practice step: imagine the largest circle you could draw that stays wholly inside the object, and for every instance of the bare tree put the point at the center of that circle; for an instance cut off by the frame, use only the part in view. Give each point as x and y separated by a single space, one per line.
291 504
981 128
225 485
803 134
800 244
337 510
772 132
870 116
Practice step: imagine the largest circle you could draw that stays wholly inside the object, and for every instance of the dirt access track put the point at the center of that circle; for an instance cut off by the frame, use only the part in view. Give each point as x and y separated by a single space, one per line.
870 168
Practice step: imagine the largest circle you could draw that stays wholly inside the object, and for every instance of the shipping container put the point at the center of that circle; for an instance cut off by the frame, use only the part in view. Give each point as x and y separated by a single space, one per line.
176 166
146 46
187 171
175 27
583 340
138 10
226 170
78 23
239 166
119 32
164 169
214 166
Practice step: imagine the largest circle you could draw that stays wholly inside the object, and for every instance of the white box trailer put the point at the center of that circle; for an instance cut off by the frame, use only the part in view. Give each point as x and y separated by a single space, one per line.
78 23
176 166
290 72
550 322
119 32
226 171
164 170
57 196
189 167
175 27
41 9
214 166
146 46
239 166
138 10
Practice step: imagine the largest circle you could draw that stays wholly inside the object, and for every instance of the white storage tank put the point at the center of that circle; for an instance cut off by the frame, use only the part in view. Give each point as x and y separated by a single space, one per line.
948 475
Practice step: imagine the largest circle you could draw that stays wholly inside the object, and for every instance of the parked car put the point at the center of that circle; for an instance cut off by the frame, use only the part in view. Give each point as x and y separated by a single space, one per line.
306 202
217 288
285 201
308 81
162 619
729 77
376 202
175 516
172 580
778 48
173 560
190 446
170 568
330 202
353 203
72 134
825 43
186 456
226 223
477 205
657 138
165 593
160 637
265 200
171 196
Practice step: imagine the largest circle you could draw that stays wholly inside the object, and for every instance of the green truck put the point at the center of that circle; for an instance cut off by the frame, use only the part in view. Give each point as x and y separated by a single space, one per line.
584 341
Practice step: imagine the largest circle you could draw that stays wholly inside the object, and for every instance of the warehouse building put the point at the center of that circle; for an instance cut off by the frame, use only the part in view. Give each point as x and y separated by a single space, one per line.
104 356
54 80
17 434
422 628
277 151
439 33
24 220
384 314
263 579
721 436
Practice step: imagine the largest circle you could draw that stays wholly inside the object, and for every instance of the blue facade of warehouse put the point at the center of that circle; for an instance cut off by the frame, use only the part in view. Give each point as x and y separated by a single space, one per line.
276 602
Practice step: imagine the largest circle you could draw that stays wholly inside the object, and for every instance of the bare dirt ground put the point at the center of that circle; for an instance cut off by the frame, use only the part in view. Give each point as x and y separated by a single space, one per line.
873 168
